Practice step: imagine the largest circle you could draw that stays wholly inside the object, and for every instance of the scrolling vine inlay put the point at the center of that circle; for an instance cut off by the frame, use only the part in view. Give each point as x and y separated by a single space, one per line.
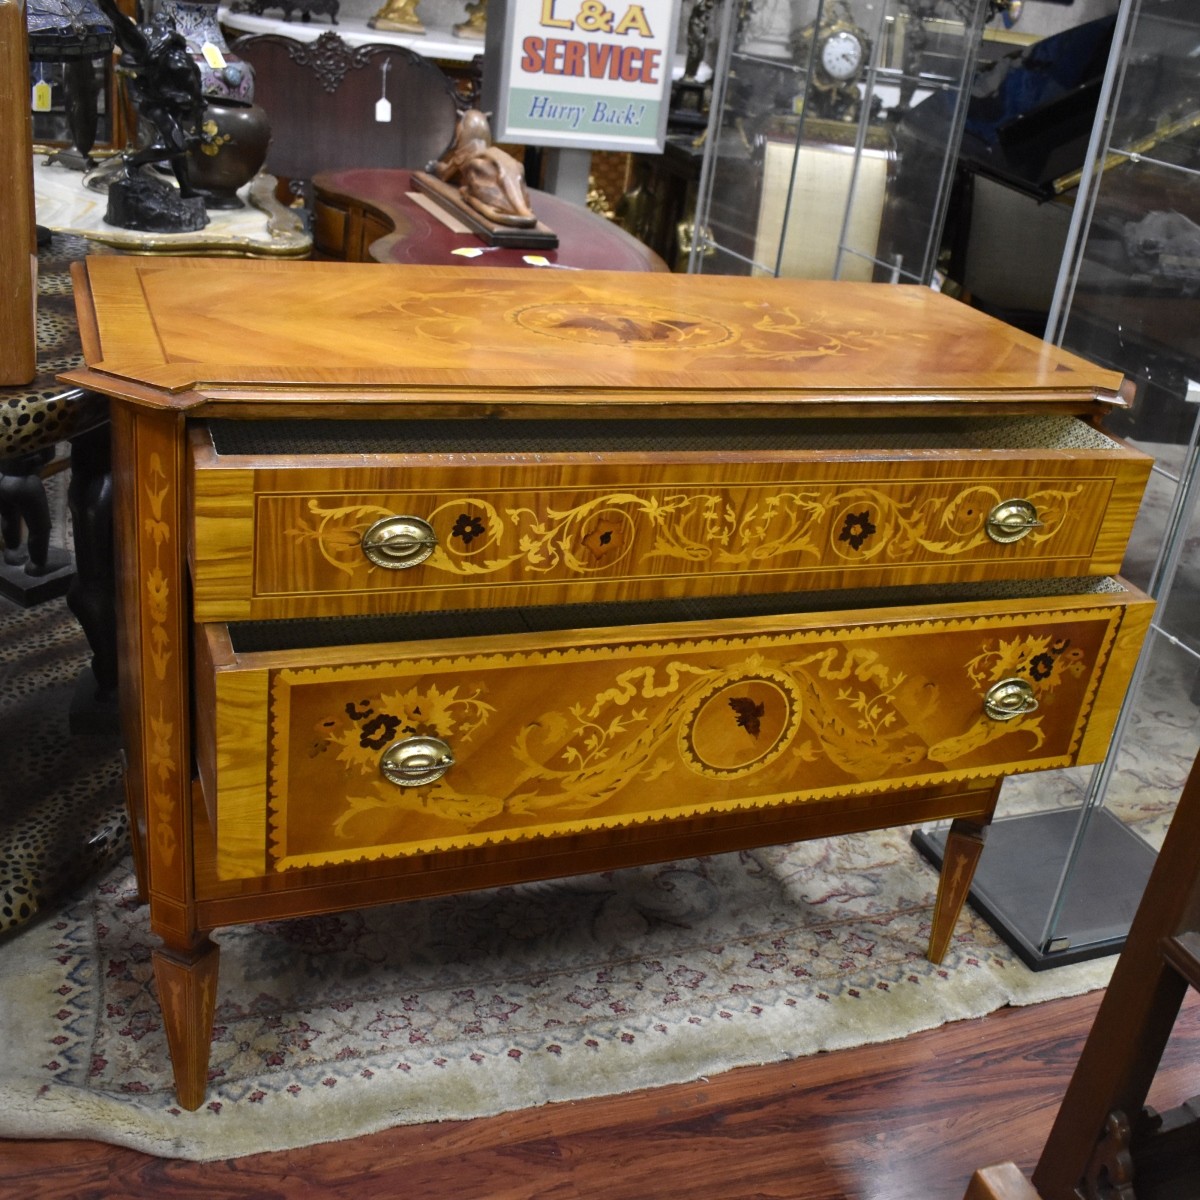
659 731
727 530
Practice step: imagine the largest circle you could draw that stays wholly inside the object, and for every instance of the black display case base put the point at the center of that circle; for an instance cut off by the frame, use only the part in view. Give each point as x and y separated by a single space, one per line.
1017 876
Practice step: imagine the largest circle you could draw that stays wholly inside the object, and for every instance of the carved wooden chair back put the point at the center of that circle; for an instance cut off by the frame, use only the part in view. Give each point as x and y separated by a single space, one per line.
322 99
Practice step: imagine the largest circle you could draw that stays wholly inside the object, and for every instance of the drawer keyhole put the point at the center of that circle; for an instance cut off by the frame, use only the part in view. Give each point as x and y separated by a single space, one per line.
1011 520
1008 699
416 761
397 543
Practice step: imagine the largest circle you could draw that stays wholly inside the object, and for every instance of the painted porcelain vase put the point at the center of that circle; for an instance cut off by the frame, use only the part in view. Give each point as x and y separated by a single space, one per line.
221 73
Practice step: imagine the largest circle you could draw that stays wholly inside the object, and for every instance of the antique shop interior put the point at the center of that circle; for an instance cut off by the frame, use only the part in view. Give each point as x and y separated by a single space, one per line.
812 387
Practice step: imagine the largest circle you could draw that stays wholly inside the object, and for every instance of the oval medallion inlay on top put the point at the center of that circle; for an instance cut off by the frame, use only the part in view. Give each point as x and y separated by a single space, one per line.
642 326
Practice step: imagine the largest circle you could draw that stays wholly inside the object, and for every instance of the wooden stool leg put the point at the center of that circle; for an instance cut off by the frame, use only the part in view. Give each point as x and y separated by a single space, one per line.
187 992
1004 1181
964 844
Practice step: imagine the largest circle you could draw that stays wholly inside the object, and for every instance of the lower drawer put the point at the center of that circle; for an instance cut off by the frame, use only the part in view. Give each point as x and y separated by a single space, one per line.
317 747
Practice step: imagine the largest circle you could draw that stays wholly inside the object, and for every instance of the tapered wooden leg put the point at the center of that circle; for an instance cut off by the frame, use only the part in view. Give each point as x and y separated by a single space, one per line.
187 992
964 844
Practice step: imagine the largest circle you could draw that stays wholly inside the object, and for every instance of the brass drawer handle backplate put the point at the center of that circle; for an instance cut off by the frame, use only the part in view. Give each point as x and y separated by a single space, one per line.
1011 520
1008 699
397 543
416 761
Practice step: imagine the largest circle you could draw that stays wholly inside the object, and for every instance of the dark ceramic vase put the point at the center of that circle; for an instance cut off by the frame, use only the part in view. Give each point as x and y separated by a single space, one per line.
233 146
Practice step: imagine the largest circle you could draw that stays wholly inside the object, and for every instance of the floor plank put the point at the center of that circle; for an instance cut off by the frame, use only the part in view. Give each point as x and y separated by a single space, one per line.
908 1120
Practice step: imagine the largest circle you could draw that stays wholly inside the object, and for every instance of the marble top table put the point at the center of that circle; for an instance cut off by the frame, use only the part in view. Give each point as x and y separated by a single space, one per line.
264 228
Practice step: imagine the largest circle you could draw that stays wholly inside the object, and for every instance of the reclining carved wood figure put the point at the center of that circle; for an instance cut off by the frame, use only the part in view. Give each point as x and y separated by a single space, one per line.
489 179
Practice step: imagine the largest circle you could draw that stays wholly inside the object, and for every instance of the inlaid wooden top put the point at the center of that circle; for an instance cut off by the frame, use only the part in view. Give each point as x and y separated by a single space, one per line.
240 330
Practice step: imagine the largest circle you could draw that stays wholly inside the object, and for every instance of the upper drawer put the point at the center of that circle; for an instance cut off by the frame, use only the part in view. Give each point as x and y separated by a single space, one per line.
469 514
315 753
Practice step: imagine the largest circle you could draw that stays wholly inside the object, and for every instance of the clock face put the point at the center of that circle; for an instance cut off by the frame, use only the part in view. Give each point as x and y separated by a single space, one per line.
842 55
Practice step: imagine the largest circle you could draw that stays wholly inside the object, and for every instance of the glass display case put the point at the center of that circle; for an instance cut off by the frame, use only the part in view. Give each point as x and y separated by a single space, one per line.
833 129
1128 296
1067 861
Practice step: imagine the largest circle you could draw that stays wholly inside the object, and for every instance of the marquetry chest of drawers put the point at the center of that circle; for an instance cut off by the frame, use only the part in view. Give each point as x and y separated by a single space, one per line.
443 578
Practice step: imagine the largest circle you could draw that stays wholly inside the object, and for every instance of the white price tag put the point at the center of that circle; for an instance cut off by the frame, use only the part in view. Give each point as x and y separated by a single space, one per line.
213 56
383 106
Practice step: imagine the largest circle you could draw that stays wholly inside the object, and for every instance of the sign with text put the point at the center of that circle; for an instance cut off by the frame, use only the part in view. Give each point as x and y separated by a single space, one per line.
595 74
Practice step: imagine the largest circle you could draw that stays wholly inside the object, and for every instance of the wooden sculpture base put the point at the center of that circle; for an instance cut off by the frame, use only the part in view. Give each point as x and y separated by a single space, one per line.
531 237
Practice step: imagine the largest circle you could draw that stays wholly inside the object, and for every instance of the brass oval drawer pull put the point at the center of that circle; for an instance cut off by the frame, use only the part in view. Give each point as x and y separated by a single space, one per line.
397 543
415 761
1011 520
1008 699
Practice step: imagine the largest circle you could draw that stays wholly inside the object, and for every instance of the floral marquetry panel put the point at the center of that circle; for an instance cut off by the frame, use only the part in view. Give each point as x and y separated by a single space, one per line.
545 741
795 509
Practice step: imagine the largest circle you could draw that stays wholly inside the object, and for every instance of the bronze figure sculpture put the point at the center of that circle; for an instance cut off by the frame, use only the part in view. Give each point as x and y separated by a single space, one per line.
164 85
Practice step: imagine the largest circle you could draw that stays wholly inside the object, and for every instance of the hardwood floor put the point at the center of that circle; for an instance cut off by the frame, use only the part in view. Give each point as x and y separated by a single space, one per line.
908 1120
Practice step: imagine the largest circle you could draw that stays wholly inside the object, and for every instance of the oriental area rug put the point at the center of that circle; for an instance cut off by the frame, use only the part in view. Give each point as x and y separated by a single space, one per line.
444 1009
